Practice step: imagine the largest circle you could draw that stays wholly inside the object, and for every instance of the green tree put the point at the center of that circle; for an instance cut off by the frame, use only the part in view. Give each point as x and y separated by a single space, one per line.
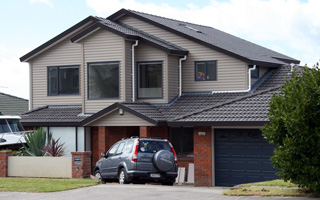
295 128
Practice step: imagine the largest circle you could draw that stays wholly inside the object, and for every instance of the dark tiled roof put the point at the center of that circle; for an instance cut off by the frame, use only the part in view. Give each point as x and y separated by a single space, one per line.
144 111
190 103
239 109
147 110
215 38
249 108
132 33
53 116
11 105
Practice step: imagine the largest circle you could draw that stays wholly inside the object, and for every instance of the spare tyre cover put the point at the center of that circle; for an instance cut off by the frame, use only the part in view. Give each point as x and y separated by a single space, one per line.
163 160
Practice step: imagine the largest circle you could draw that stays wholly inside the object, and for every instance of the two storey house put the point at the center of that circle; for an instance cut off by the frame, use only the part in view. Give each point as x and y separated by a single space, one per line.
137 74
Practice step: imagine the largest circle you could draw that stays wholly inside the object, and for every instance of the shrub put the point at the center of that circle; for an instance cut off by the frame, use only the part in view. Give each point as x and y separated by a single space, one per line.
295 128
35 143
54 148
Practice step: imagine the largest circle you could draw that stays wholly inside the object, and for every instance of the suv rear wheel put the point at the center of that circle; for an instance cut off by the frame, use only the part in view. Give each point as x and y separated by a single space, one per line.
123 177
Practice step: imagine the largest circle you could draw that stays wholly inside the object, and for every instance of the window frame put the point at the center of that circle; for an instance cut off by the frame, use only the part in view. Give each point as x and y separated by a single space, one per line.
57 79
252 75
206 64
138 79
88 75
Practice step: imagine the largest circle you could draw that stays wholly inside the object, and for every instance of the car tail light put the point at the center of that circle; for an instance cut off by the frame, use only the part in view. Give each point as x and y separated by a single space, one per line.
174 153
135 151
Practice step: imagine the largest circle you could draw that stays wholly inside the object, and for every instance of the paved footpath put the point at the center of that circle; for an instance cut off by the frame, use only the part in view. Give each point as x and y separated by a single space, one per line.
136 192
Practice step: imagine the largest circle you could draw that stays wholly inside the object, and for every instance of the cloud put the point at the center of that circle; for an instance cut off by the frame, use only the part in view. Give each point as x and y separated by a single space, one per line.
291 27
14 75
48 2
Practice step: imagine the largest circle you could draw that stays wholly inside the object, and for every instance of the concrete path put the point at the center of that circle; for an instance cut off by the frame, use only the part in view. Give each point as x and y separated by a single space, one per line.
134 192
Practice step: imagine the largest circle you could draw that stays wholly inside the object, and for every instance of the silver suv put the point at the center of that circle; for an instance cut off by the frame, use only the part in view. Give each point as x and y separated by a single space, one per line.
139 160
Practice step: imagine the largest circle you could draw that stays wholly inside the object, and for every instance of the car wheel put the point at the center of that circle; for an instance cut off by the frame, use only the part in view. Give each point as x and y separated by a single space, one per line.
123 177
98 175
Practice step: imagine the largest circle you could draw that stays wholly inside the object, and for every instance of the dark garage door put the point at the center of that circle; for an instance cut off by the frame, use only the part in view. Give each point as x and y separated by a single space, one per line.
242 156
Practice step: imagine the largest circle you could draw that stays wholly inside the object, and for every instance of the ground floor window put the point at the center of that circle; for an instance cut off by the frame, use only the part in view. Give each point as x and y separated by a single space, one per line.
182 141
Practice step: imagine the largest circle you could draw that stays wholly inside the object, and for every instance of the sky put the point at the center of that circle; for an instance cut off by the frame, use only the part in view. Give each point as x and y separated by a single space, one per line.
290 27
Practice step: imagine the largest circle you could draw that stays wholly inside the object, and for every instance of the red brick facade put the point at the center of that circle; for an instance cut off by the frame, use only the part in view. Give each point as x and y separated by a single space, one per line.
202 156
202 147
160 132
4 163
81 167
145 131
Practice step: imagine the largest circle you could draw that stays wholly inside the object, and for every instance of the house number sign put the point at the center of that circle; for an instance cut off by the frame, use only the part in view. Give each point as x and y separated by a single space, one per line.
201 133
77 161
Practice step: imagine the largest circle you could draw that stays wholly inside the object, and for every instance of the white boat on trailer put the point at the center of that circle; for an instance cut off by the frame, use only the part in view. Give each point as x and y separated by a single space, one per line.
11 132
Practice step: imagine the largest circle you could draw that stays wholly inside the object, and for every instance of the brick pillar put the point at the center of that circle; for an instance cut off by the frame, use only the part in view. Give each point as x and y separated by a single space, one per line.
4 163
202 156
145 131
102 135
81 164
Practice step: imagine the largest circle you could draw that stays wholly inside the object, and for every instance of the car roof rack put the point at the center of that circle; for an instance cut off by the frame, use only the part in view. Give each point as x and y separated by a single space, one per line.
159 138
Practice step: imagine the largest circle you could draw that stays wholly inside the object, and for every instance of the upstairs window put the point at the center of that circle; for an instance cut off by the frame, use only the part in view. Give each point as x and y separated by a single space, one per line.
206 70
63 80
103 80
254 73
150 80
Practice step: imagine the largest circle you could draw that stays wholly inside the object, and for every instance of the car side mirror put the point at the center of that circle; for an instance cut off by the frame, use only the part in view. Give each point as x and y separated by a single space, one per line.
103 154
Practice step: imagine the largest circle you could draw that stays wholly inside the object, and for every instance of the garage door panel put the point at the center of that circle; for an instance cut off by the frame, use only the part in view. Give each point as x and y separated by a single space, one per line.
238 166
237 151
223 151
253 151
242 156
223 166
253 166
267 151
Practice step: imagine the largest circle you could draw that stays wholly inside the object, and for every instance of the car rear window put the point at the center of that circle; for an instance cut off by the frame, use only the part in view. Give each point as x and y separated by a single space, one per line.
148 146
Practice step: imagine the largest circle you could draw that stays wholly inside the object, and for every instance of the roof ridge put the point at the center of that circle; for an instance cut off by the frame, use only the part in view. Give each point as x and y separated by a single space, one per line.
171 19
149 35
34 110
13 96
227 102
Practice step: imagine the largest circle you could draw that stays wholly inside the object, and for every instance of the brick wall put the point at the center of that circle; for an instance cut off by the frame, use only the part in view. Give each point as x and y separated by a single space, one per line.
95 146
81 164
202 156
4 163
159 131
145 131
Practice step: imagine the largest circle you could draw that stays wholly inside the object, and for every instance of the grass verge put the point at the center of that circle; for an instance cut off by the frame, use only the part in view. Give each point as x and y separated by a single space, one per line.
42 184
268 188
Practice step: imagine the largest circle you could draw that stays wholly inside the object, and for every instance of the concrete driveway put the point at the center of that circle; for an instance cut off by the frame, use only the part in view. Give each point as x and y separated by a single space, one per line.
139 192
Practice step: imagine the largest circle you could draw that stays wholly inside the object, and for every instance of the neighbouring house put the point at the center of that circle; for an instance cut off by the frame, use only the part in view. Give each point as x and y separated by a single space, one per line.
134 73
12 105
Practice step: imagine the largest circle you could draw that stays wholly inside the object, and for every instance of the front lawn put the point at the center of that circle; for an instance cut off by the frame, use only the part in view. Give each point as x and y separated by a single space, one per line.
268 188
42 184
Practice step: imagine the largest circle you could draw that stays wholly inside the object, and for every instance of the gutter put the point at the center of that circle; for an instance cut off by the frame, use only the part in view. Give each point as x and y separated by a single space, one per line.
180 74
133 74
236 91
